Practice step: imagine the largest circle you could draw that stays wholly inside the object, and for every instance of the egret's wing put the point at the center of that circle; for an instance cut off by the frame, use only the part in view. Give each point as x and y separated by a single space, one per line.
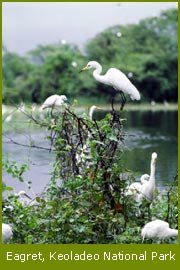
118 79
120 82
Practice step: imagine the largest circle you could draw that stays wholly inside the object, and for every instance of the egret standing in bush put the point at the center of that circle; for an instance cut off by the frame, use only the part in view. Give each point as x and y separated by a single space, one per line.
158 229
146 188
115 78
144 178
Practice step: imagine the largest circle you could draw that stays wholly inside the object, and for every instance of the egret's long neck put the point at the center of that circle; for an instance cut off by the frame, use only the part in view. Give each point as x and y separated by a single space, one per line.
97 72
91 111
152 171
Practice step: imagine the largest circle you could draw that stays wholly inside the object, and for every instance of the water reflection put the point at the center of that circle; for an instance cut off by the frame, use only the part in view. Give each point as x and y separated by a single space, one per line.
149 131
39 161
152 131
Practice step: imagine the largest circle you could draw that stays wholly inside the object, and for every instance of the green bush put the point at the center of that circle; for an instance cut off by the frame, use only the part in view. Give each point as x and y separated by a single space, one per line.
85 200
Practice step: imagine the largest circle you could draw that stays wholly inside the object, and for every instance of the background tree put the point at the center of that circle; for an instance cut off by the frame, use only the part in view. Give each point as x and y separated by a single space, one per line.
146 52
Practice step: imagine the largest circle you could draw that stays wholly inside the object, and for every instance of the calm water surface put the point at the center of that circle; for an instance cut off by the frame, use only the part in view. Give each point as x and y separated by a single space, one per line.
151 131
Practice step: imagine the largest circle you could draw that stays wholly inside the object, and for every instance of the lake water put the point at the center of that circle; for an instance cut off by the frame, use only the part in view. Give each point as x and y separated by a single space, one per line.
151 131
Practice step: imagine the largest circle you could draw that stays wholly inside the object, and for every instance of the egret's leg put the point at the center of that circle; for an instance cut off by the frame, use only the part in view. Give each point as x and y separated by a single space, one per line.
112 104
50 114
112 101
123 100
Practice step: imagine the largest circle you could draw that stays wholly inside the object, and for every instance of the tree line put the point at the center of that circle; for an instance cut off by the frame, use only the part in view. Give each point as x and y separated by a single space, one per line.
146 52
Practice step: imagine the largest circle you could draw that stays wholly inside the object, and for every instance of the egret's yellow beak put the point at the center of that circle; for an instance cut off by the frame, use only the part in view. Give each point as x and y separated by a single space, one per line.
83 69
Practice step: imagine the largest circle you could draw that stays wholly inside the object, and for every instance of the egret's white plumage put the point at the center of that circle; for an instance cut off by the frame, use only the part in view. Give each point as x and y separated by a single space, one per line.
6 233
144 178
54 101
135 190
92 109
146 188
158 229
115 78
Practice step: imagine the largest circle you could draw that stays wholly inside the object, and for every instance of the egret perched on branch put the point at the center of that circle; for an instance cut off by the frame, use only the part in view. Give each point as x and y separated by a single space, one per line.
115 78
158 229
54 101
6 233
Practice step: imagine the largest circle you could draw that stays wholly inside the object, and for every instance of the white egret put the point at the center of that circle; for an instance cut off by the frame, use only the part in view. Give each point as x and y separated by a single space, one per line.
144 178
135 190
158 229
24 198
54 101
148 187
92 109
6 233
115 78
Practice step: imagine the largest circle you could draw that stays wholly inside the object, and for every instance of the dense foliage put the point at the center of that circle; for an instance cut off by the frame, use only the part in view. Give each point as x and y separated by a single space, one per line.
85 200
146 52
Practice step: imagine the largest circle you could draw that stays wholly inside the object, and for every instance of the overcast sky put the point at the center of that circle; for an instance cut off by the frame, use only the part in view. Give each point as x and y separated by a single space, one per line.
26 25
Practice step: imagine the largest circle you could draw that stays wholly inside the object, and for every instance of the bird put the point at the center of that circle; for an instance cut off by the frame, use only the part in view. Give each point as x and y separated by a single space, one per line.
135 190
54 101
157 229
6 233
115 78
144 178
148 187
92 109
24 198
145 188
